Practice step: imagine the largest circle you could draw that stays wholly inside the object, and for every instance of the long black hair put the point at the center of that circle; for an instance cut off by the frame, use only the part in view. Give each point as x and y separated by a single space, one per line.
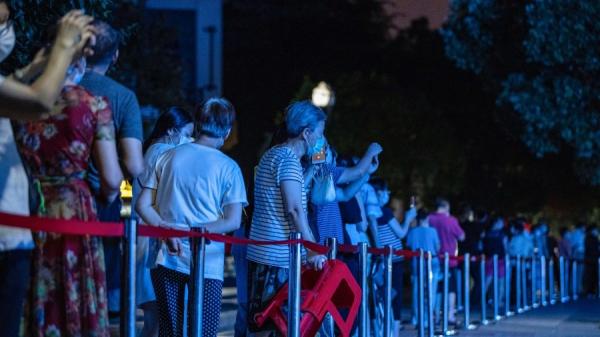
174 118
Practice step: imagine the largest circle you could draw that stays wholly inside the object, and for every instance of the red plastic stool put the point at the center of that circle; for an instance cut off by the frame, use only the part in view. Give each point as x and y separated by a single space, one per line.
322 292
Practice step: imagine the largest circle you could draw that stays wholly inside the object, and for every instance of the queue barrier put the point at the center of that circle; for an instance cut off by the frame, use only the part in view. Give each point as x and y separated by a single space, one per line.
568 271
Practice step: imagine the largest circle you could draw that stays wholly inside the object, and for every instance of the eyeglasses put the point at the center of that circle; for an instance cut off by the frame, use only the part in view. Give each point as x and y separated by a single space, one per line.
6 29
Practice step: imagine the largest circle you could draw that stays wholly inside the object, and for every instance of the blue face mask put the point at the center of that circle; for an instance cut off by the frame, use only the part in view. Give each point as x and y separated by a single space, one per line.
319 144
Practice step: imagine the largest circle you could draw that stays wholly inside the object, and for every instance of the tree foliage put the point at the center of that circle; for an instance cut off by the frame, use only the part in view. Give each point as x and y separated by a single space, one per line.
542 59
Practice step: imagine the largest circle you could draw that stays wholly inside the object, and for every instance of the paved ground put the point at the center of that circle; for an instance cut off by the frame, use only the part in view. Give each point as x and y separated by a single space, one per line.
573 319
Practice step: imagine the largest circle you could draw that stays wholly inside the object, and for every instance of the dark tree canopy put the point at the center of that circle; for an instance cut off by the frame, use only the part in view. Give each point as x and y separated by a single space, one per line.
542 59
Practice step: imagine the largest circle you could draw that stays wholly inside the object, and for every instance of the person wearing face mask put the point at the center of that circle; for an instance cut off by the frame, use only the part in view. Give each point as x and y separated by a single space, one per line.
68 271
128 129
194 185
390 233
174 127
280 208
23 99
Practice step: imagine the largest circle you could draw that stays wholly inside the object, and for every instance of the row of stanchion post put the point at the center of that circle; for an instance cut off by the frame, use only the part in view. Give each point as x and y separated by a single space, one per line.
425 280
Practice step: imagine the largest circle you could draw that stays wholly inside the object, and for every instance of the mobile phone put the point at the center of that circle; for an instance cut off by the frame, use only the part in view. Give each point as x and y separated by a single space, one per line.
319 157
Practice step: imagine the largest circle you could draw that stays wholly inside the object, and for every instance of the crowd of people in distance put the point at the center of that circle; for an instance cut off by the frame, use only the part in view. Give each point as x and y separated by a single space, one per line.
70 135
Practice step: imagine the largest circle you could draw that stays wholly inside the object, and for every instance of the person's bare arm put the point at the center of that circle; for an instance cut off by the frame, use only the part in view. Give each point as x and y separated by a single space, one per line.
35 101
232 218
374 230
363 167
131 156
105 156
291 192
348 192
146 210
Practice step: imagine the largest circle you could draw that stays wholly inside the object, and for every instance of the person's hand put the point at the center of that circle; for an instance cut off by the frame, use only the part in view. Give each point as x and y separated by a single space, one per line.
174 246
4 13
374 165
317 261
75 31
411 214
374 150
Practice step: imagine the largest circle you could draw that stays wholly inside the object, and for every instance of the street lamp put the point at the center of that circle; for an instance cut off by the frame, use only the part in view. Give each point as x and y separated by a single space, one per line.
323 96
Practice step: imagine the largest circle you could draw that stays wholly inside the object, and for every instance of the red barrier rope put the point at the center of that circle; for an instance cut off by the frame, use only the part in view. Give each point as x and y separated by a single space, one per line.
115 229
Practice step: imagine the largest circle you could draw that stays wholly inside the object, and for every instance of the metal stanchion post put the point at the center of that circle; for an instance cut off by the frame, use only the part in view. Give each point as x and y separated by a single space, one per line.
294 286
496 288
484 320
364 300
533 282
598 277
457 278
430 295
127 324
524 279
331 255
551 290
543 278
467 292
518 288
574 279
196 296
387 324
445 294
421 294
507 285
561 271
332 245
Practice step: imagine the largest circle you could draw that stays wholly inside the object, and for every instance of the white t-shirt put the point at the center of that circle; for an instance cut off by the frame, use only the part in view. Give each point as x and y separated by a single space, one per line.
14 189
193 185
269 221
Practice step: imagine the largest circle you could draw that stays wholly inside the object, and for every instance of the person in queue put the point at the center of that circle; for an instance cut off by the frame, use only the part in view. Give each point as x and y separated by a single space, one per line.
173 127
68 274
24 99
391 233
194 185
280 207
128 128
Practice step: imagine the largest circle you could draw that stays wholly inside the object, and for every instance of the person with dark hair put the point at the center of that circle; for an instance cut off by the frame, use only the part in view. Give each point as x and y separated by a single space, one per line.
450 233
29 93
281 208
172 128
68 276
426 238
128 127
564 246
592 253
494 242
194 185
391 233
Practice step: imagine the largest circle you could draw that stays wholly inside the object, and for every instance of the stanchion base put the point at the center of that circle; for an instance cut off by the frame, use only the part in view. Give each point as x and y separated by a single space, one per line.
535 306
471 326
510 314
485 322
520 311
544 304
553 302
499 317
575 298
450 332
526 308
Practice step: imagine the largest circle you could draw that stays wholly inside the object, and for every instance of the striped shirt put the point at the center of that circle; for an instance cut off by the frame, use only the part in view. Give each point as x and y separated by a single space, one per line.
270 221
387 237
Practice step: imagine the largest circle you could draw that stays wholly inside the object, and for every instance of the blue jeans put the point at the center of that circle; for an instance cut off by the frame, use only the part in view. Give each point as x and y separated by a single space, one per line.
14 281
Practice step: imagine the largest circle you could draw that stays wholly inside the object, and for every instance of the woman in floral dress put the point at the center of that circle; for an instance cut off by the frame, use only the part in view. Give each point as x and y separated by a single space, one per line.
68 290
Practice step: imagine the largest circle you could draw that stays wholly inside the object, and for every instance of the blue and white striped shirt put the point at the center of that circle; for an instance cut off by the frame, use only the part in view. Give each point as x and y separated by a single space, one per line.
270 221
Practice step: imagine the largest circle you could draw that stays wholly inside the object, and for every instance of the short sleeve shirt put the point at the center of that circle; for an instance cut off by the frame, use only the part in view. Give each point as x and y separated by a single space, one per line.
371 201
448 231
269 220
425 238
124 105
193 185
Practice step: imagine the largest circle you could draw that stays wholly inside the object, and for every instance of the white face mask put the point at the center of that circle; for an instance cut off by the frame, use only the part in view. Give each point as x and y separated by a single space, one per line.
7 40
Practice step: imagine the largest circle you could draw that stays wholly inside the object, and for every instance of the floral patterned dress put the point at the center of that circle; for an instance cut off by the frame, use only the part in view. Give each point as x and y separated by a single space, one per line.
68 289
